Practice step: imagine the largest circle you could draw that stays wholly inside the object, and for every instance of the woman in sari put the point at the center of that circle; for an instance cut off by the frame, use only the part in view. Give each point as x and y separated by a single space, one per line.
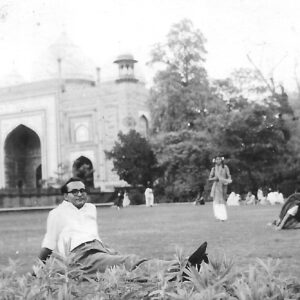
221 177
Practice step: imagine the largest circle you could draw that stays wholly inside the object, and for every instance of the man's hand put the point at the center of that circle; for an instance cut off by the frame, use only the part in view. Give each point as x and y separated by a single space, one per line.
45 254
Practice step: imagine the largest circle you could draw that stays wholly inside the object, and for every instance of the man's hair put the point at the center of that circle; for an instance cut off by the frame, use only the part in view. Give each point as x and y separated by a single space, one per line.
64 188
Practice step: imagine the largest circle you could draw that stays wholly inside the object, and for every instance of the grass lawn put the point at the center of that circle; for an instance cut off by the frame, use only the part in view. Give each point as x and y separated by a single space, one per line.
157 231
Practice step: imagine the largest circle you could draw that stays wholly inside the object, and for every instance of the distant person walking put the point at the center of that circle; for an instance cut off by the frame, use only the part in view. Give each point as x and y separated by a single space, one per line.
260 197
149 197
126 200
220 175
120 199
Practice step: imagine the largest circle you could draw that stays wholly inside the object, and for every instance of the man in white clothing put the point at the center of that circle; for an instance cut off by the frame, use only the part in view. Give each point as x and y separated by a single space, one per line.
149 197
72 228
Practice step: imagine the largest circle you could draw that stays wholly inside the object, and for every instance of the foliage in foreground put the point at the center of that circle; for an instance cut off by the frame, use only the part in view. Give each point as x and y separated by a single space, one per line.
58 279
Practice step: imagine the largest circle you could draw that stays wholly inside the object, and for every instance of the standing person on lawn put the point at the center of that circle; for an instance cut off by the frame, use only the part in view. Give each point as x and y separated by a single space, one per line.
126 200
72 229
220 175
120 198
149 196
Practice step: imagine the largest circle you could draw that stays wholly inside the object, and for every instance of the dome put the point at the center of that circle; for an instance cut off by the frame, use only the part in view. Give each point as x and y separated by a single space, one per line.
64 57
11 78
125 57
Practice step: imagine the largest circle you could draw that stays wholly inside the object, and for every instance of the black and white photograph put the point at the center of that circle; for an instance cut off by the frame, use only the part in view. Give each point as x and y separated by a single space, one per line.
149 149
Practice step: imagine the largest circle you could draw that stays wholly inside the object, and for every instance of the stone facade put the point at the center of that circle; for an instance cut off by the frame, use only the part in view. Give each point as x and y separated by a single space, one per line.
47 125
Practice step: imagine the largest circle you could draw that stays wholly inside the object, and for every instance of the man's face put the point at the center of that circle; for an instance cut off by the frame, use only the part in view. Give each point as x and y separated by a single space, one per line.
76 194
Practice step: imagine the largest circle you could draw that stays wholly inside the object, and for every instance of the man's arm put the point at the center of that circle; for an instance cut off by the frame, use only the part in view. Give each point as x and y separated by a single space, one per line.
282 223
44 254
291 212
50 238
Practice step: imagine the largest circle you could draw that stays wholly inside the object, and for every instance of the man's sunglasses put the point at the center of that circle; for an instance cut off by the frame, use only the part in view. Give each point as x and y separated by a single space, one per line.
76 192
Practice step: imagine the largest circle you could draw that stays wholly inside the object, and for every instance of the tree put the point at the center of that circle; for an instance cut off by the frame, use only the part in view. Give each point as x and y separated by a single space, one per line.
245 117
133 159
61 176
256 135
182 103
255 141
85 172
243 83
185 158
180 89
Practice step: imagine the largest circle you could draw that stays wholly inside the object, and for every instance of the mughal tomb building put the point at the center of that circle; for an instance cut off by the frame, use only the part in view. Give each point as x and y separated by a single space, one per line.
51 126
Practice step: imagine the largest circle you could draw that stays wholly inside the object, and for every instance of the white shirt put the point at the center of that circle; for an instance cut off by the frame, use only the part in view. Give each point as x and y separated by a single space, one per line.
148 192
292 211
68 227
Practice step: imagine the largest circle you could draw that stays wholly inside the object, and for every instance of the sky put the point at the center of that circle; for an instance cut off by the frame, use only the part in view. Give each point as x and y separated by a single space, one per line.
267 31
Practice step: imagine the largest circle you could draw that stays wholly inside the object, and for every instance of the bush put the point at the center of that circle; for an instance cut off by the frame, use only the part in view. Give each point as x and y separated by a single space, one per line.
136 197
59 279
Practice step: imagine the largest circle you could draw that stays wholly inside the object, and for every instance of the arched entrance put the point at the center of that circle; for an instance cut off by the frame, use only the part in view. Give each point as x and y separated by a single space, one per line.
38 176
22 158
143 126
83 168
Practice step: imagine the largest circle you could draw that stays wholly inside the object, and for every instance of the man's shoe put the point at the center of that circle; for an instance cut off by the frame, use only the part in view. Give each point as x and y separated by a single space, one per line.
195 260
138 263
198 256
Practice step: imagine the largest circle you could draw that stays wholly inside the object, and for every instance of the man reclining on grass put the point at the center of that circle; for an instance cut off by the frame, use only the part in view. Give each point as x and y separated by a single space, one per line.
289 217
72 228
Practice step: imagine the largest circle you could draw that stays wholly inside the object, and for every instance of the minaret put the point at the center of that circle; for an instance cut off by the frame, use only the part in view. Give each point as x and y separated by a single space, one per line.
126 68
98 70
